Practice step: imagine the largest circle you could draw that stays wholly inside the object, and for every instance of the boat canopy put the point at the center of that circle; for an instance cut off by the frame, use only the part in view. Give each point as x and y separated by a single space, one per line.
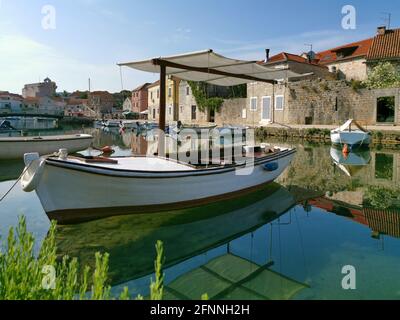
348 125
208 66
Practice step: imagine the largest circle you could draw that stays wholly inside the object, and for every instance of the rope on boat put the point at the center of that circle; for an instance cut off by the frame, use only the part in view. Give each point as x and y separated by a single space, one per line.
15 183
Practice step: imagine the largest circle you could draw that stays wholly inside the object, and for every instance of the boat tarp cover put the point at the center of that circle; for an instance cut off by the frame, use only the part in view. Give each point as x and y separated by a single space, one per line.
232 277
349 123
210 60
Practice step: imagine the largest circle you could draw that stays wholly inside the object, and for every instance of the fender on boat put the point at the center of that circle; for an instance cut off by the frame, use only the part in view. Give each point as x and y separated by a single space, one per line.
33 171
272 166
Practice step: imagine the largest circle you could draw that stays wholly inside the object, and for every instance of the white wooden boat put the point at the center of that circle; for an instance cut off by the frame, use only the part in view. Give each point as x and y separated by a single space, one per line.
69 187
16 147
112 123
346 134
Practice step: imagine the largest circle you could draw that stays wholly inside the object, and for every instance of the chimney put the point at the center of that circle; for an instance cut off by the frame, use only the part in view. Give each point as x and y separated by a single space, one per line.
267 55
381 31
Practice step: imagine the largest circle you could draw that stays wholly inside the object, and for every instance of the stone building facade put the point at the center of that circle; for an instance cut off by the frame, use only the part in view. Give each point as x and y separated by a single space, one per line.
140 100
47 88
172 100
316 101
102 102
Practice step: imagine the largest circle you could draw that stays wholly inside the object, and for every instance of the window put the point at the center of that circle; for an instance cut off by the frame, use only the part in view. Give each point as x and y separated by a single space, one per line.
151 95
181 109
253 104
169 92
194 112
158 93
154 113
187 90
279 103
170 110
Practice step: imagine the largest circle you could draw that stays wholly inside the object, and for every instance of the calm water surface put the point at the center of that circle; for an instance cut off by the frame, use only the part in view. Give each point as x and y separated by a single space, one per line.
287 241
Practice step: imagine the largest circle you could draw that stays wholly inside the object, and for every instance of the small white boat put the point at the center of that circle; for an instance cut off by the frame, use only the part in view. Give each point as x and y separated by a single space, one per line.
347 134
16 147
70 187
111 123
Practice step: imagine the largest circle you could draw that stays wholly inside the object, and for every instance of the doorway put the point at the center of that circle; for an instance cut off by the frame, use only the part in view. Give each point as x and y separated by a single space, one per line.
385 111
266 109
211 115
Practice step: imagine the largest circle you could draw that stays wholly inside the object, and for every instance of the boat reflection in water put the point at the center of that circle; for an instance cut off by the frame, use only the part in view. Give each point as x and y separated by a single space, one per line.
352 162
200 257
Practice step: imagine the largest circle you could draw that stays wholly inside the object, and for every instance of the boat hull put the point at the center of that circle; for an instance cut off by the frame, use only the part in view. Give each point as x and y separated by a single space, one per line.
70 194
15 148
351 138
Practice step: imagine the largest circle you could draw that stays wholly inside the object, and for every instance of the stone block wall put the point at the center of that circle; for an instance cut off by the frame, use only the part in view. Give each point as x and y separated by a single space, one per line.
333 102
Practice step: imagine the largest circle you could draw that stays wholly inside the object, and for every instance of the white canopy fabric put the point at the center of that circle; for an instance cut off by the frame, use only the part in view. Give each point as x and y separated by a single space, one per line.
209 60
348 124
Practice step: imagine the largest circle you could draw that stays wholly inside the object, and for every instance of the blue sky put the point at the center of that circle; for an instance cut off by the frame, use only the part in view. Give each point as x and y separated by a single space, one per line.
91 36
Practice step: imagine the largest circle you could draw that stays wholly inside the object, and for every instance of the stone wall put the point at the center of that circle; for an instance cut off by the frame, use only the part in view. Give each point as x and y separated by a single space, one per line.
355 69
334 102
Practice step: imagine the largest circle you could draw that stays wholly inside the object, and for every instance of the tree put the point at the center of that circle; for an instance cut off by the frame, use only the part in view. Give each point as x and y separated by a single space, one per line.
383 75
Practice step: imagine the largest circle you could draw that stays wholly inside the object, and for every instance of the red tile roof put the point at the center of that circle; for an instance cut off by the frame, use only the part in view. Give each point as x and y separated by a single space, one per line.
285 57
360 49
154 84
385 46
143 86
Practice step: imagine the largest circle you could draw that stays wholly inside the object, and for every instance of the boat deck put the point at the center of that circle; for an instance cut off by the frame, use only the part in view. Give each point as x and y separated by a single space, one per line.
138 164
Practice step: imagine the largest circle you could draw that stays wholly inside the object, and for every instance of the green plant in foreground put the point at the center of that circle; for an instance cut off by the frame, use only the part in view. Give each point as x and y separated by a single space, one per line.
25 276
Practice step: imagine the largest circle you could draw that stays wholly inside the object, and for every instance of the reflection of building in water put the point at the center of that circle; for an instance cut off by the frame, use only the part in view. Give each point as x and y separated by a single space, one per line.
314 168
380 221
139 145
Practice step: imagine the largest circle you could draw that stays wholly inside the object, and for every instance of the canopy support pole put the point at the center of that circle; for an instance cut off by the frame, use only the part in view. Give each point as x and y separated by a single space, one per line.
163 89
162 120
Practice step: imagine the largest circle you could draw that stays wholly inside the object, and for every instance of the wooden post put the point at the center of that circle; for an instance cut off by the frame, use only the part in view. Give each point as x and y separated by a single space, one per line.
161 122
162 96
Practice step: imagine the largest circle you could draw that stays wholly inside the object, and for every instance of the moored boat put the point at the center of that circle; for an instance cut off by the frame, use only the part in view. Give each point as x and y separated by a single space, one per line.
72 188
346 134
16 147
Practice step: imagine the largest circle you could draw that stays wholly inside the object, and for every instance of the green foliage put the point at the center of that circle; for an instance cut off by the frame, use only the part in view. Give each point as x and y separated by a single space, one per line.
24 276
199 91
156 288
381 198
357 85
383 75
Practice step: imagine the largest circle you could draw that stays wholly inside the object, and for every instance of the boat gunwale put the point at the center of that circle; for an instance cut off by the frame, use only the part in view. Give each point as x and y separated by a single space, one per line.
122 173
46 138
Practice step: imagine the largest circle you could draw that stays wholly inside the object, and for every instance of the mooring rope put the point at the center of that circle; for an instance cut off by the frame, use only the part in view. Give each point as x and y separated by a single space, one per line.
15 183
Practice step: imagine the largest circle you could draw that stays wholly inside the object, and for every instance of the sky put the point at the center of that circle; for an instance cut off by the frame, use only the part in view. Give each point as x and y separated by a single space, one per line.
71 41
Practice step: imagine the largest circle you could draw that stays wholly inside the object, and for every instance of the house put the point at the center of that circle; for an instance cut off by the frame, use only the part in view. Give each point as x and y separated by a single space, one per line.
140 100
385 47
172 100
189 110
10 102
127 105
299 64
44 106
267 103
347 61
353 61
102 102
47 88
78 108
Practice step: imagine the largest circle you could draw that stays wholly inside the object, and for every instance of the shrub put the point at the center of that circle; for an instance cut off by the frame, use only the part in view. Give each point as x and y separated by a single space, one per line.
26 276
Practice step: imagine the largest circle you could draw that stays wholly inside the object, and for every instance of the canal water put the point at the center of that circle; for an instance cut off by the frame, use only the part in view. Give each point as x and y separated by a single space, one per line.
295 239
